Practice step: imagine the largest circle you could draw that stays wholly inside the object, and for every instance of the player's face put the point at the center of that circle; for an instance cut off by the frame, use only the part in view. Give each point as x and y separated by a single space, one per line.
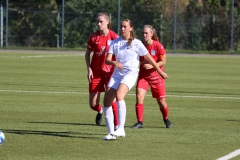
102 23
147 34
126 29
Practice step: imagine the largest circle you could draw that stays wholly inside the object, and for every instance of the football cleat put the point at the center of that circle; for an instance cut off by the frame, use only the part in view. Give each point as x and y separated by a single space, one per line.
167 123
109 137
137 125
119 133
98 119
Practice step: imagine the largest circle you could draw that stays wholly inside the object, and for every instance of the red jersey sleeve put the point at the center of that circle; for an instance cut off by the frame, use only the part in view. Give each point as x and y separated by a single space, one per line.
161 51
90 44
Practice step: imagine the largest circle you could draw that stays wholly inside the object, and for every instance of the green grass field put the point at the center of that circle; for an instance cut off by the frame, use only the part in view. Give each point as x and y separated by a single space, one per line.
45 113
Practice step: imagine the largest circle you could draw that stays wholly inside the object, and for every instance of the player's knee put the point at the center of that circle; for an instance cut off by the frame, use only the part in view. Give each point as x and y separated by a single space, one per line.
107 102
140 98
93 105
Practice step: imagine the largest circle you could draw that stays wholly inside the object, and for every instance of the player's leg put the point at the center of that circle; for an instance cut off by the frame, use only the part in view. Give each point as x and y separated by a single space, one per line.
115 114
94 99
107 77
109 96
158 92
96 86
126 84
121 92
141 90
164 110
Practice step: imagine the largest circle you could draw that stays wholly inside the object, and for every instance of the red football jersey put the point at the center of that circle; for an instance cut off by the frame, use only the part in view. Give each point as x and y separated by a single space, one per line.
157 52
99 44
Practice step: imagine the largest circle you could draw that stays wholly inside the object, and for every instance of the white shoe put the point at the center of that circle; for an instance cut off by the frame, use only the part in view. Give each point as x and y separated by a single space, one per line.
119 133
109 137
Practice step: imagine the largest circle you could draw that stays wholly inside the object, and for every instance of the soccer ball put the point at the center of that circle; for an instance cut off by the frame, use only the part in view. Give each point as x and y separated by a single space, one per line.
2 138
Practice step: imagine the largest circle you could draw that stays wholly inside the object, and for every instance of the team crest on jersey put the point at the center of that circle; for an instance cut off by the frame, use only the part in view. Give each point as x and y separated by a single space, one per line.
103 49
153 52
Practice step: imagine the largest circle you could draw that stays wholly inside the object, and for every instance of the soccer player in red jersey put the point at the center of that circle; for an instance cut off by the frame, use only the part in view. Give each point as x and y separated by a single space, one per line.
149 77
98 72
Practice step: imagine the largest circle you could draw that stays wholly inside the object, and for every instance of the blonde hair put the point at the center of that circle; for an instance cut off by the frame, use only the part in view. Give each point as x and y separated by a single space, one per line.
105 15
154 37
132 34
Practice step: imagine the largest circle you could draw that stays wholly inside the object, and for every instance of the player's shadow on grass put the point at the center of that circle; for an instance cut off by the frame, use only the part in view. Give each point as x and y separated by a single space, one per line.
65 123
233 120
83 124
53 133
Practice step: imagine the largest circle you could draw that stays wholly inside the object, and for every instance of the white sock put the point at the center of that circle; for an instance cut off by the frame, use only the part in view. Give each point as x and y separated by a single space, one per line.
109 118
121 113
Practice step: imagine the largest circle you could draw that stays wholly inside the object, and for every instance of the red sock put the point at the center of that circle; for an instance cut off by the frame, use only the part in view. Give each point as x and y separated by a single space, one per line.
164 112
139 112
97 108
115 113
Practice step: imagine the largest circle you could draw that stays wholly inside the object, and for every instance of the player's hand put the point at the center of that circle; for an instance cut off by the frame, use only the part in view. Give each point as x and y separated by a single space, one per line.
163 75
118 65
90 75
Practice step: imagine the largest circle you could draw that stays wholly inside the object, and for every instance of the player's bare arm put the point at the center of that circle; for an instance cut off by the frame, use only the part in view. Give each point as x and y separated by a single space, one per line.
87 60
155 65
146 65
162 61
109 61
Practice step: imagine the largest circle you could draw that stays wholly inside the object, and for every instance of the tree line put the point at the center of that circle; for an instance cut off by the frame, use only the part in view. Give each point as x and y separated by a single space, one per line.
200 24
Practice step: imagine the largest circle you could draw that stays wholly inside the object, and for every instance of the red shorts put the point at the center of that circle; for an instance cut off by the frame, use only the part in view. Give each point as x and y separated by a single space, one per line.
157 86
99 82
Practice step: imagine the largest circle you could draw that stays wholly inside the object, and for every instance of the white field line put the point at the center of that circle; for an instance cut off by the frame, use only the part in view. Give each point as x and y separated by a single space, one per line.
212 97
83 93
47 92
230 155
43 56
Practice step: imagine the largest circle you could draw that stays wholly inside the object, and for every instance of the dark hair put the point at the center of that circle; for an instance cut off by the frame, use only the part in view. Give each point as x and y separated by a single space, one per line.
132 34
106 15
154 37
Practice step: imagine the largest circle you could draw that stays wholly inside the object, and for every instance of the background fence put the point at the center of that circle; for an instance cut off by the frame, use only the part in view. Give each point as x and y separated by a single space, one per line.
182 25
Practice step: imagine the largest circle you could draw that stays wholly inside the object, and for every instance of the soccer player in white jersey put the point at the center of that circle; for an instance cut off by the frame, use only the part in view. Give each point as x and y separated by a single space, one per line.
127 50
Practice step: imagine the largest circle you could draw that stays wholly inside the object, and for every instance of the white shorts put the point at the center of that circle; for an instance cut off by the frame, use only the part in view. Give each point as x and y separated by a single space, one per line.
128 78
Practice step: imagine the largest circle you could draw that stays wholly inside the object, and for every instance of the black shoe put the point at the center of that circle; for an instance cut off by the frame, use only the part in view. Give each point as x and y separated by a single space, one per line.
98 119
167 123
137 125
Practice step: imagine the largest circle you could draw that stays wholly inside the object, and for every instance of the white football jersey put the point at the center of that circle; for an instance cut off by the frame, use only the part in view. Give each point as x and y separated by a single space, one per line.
128 56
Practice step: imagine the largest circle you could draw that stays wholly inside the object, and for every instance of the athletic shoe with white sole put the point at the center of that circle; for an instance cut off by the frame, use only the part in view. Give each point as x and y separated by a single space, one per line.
119 133
109 137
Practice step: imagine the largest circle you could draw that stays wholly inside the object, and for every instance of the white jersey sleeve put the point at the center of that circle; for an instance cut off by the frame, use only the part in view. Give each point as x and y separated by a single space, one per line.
142 49
111 48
